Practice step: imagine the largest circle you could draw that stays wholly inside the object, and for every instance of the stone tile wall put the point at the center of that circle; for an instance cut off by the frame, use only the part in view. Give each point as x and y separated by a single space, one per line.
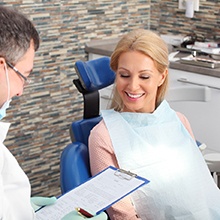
41 117
167 18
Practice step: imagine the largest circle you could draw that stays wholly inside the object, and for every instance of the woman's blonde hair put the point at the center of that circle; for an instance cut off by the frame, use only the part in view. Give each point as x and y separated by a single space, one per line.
148 43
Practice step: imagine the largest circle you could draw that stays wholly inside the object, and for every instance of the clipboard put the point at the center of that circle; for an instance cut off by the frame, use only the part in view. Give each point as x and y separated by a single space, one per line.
95 195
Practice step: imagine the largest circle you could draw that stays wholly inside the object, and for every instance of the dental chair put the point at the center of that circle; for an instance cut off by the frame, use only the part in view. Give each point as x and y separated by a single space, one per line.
93 75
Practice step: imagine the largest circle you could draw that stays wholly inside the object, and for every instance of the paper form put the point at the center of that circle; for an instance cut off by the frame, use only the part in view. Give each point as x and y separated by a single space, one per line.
95 195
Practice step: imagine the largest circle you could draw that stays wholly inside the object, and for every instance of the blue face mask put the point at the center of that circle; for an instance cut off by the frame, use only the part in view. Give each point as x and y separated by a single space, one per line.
6 104
3 109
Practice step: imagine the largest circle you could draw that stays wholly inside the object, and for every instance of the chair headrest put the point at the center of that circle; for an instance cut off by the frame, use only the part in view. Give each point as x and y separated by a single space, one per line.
95 74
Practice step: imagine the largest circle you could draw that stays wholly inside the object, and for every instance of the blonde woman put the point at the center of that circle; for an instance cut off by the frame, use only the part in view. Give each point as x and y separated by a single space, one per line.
141 133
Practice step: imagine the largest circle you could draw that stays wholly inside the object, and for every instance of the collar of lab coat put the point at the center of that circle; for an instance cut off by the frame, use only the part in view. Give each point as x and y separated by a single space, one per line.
4 126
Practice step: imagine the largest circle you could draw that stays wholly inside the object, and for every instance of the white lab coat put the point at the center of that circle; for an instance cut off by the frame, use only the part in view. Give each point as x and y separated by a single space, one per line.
15 189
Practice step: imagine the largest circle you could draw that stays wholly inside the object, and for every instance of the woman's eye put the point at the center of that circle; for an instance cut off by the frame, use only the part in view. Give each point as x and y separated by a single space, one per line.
123 75
144 77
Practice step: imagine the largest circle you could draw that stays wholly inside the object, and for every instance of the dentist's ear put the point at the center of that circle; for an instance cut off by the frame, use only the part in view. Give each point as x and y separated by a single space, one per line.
2 64
2 60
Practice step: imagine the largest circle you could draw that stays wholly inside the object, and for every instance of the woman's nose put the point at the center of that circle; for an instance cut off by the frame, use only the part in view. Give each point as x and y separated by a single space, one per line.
134 83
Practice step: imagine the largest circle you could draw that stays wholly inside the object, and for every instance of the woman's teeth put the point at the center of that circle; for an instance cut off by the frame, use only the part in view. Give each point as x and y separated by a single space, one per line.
134 96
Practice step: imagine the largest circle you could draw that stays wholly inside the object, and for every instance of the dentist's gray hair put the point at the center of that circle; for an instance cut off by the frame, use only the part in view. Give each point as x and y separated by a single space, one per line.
16 34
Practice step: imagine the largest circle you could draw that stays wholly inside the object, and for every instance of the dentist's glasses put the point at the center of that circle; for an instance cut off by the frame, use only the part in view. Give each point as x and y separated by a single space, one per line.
26 80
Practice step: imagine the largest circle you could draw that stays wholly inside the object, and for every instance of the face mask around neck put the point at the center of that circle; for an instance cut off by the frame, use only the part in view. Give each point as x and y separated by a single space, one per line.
7 103
4 108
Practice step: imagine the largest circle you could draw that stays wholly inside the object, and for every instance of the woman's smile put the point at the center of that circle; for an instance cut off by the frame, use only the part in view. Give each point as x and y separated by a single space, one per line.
134 96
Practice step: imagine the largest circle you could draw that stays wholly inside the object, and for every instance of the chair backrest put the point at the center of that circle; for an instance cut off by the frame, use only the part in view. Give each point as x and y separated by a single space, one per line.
93 75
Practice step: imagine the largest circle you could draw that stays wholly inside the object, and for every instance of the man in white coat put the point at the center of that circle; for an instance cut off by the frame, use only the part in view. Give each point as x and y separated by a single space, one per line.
19 40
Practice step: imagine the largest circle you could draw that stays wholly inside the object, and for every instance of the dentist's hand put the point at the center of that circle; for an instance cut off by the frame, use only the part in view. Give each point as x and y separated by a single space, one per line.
74 215
38 201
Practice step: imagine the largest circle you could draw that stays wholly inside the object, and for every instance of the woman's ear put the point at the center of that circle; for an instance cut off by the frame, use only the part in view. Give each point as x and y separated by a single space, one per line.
163 77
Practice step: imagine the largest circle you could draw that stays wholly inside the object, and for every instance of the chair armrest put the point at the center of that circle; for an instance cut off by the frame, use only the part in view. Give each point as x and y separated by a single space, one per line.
74 166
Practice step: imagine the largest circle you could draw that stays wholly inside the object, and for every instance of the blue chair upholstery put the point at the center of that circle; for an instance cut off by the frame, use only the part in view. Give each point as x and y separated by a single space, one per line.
93 75
74 166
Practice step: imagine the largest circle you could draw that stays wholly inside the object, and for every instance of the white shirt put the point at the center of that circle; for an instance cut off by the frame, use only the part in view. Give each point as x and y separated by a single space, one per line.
15 189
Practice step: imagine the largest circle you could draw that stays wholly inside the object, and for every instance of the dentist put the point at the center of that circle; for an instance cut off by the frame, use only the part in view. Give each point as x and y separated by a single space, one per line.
18 42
